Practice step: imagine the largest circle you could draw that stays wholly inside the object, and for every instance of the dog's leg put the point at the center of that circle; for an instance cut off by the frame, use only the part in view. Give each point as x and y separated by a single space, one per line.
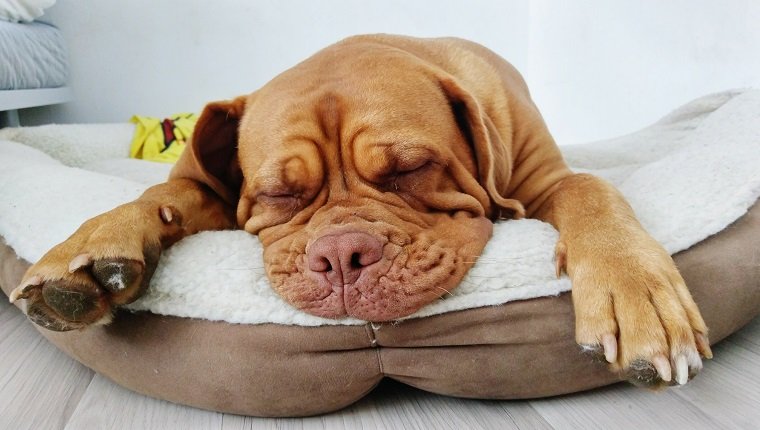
109 260
632 307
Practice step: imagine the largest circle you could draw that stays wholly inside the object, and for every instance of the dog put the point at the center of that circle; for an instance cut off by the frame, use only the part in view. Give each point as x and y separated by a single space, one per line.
372 172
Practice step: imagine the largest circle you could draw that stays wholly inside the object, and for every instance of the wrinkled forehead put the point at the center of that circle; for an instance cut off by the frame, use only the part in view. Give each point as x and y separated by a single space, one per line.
359 112
378 91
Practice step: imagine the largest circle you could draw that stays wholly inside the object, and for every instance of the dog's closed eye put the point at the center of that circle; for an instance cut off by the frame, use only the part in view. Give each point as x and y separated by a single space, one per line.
278 200
409 166
413 175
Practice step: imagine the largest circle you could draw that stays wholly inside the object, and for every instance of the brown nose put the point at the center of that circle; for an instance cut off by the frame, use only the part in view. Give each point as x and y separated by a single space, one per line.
342 257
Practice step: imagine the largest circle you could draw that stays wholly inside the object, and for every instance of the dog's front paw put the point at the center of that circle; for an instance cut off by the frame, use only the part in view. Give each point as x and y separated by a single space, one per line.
106 262
634 311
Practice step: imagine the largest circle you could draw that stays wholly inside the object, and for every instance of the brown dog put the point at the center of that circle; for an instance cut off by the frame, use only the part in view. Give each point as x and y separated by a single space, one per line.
371 173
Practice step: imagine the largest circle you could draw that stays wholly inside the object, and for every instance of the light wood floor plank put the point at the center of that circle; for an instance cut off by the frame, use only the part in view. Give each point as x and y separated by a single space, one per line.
39 384
623 407
748 337
106 405
724 395
728 389
524 415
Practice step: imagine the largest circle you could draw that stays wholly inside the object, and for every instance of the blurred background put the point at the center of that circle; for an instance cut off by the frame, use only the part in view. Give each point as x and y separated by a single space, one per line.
596 68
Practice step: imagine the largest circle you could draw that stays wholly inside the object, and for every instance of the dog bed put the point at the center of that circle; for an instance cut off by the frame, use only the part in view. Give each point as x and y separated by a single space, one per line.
212 334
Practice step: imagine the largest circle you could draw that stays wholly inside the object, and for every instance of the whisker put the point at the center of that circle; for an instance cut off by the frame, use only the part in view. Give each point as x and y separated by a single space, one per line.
445 290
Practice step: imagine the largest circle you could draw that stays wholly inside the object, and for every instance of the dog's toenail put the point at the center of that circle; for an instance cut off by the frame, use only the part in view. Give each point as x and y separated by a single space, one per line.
79 261
682 370
166 214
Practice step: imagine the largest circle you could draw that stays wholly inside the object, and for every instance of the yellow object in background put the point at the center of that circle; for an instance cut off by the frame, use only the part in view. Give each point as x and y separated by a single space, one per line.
161 140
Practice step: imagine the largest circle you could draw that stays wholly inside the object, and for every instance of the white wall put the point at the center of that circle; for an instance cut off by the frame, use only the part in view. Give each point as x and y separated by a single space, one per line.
160 57
596 68
600 68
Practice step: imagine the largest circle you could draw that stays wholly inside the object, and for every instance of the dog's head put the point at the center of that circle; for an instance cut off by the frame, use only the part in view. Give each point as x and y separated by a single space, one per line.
369 175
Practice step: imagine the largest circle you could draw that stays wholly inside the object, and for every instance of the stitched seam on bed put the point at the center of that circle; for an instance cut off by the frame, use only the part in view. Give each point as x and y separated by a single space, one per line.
370 329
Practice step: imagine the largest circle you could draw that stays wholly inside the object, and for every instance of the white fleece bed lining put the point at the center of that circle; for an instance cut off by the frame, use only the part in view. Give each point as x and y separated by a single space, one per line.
688 176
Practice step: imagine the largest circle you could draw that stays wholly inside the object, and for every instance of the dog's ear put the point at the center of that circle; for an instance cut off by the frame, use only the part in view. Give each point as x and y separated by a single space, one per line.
492 155
211 156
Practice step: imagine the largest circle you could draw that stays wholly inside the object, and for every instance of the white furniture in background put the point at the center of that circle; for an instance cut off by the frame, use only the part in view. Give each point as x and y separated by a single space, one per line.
12 100
33 68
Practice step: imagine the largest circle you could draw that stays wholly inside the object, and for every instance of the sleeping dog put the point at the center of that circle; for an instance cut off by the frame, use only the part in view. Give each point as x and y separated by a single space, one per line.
371 173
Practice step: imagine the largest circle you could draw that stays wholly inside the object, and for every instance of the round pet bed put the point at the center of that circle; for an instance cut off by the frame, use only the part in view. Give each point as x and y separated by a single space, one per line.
506 332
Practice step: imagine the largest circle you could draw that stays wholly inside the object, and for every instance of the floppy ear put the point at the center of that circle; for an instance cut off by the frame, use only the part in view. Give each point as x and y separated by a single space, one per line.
211 156
493 156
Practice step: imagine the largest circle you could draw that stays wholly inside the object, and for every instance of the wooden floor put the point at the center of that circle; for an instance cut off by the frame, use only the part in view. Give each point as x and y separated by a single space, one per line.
41 388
